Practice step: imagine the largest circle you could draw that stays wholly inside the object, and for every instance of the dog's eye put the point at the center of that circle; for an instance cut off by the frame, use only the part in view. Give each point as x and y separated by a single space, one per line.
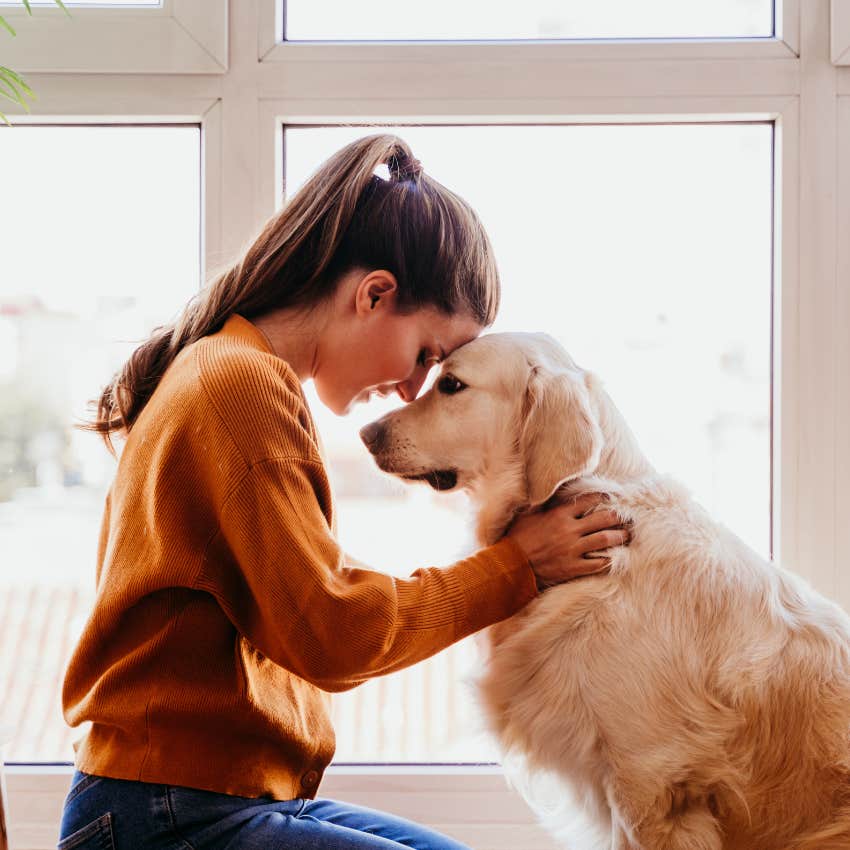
449 385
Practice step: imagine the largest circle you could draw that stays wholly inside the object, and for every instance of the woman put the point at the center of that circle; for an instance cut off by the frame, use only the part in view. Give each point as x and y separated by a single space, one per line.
225 609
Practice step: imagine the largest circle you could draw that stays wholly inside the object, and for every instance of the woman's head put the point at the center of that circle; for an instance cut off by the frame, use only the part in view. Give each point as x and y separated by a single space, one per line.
361 342
344 217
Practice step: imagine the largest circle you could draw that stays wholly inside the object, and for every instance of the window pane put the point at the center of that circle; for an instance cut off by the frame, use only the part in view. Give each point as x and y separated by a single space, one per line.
533 19
101 230
646 251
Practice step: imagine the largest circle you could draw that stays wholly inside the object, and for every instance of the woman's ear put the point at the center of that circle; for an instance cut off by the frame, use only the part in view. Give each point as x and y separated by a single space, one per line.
560 437
375 290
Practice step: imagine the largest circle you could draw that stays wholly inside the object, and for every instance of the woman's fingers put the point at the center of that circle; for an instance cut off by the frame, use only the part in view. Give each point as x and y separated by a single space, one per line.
586 502
585 566
599 520
557 541
603 540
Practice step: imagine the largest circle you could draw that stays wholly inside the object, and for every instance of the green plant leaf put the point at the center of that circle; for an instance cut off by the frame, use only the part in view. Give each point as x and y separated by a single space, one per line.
27 4
8 72
8 78
5 119
15 98
62 6
6 24
8 84
7 96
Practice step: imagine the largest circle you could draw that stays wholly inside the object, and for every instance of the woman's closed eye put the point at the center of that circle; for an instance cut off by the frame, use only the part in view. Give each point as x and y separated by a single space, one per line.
427 359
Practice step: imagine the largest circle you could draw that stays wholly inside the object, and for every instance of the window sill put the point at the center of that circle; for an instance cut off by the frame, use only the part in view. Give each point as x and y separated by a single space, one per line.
473 803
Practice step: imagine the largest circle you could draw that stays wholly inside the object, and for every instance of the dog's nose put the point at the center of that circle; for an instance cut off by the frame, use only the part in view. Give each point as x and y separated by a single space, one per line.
373 436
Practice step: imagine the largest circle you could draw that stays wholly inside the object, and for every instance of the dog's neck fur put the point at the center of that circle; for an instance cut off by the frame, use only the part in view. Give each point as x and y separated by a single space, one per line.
621 461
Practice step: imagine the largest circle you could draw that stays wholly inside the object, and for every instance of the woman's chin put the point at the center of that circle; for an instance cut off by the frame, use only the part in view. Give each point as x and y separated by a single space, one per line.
361 398
344 408
336 405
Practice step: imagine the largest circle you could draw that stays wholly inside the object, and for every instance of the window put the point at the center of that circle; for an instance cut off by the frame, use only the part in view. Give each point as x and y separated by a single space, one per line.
95 256
539 19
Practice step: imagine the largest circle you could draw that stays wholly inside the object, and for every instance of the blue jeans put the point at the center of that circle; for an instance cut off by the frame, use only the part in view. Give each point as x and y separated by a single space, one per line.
117 814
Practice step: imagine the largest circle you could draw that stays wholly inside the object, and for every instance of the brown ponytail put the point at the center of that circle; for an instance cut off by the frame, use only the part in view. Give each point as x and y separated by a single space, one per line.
344 217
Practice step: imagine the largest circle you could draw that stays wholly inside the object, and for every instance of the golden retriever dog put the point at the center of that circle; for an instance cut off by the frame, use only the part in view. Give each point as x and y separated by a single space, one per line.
695 696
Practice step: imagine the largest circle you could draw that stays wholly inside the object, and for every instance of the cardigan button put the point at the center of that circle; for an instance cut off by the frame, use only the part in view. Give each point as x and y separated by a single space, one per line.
309 778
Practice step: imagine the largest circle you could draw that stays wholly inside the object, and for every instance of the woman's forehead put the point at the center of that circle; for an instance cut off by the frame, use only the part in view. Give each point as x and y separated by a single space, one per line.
450 332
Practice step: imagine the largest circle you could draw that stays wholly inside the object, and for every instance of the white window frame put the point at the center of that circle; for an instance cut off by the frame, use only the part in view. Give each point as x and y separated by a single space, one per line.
842 344
177 37
840 31
797 81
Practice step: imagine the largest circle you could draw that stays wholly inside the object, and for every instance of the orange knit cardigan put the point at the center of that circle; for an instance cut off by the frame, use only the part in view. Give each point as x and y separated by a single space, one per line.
224 611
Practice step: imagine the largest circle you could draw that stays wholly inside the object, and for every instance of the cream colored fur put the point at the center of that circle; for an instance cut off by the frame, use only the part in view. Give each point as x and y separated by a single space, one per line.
696 697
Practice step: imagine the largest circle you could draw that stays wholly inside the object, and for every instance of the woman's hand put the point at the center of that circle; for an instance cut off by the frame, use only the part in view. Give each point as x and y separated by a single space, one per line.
558 541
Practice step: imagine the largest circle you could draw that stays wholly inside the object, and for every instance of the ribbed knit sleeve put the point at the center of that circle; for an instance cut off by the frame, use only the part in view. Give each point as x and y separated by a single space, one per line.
278 573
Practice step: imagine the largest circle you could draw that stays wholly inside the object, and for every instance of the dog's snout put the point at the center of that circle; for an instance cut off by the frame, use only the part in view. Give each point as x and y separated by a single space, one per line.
374 436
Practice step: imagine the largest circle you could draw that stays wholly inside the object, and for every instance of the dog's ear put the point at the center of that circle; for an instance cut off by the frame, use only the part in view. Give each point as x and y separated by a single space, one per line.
560 438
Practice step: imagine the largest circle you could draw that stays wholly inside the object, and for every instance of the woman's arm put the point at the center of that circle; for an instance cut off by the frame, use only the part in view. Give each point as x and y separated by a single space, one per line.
279 574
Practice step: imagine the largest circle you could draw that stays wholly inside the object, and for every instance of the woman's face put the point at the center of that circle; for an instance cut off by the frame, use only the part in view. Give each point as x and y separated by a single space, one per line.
371 348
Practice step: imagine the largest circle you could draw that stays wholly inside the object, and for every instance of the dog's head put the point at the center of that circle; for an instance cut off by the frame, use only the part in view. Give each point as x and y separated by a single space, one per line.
505 407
